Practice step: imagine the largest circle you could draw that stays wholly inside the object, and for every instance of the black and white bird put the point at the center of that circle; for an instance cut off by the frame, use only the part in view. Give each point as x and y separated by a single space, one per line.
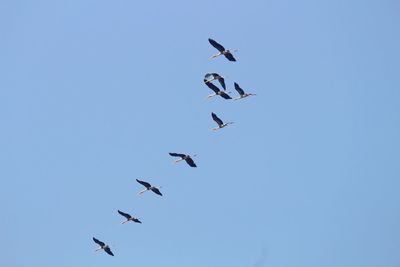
220 123
103 246
241 92
128 217
149 187
216 90
222 51
209 77
184 157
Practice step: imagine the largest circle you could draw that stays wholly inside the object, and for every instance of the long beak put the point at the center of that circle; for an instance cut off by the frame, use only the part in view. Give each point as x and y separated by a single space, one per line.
178 160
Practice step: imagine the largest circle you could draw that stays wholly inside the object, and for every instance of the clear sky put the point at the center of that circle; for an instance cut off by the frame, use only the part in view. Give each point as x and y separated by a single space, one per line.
94 94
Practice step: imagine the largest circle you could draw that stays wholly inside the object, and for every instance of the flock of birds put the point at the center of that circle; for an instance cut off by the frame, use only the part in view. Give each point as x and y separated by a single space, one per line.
208 80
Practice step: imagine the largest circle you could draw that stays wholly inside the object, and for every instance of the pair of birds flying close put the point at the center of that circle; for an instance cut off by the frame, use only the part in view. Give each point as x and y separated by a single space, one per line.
104 246
223 93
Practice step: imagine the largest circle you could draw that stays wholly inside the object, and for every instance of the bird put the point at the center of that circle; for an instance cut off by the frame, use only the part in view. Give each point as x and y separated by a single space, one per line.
209 77
222 50
128 217
216 90
242 94
148 187
220 123
103 246
184 157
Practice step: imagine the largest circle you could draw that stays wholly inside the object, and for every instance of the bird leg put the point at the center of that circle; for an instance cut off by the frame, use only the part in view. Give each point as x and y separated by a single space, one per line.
125 221
178 160
141 192
216 55
211 95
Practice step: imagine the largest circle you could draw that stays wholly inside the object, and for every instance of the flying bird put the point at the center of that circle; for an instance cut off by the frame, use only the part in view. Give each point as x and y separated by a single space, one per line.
103 246
222 50
149 187
129 217
216 90
209 77
220 123
184 157
242 94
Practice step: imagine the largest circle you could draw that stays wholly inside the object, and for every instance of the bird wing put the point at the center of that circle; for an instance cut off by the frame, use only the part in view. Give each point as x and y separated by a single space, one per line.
216 119
222 82
137 220
108 250
126 215
218 77
98 242
229 56
145 184
219 47
208 76
155 190
212 86
225 95
177 155
190 161
238 89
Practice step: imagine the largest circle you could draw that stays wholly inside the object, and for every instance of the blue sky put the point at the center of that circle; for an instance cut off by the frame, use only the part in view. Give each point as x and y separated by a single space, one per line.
94 94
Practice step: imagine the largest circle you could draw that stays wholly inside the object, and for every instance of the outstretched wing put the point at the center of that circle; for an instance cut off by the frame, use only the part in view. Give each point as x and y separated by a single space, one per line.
225 95
136 220
98 242
229 56
190 161
126 215
155 190
108 250
212 86
238 89
219 47
216 76
177 155
216 119
222 82
145 184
